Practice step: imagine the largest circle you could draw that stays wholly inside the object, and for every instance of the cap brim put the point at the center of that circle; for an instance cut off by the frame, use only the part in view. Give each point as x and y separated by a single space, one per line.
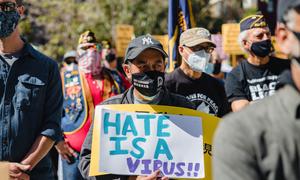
69 57
199 41
137 51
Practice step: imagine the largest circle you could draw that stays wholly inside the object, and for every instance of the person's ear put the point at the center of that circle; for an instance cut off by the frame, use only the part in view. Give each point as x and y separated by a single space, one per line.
246 44
183 52
281 33
126 68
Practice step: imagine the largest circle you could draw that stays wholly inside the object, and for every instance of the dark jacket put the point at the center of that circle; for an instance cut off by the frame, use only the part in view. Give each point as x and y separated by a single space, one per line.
262 141
168 99
30 106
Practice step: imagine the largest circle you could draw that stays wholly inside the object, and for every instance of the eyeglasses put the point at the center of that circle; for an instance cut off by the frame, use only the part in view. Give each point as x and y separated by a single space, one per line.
8 6
207 49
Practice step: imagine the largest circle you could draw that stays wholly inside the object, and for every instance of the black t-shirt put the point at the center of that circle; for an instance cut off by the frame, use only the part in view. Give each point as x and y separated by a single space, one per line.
207 93
251 82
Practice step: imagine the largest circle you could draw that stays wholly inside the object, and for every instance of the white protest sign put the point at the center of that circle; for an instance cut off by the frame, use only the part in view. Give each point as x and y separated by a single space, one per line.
140 143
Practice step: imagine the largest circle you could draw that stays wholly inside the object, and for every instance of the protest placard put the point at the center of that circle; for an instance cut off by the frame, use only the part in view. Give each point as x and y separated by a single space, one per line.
230 34
4 171
141 143
167 154
124 34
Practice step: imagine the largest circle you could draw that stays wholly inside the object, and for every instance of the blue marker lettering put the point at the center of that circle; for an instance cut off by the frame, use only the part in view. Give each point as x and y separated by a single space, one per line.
137 147
162 148
118 150
108 124
129 126
161 126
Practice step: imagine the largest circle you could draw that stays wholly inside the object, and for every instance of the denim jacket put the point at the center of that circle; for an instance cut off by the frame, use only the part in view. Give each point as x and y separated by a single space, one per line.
30 106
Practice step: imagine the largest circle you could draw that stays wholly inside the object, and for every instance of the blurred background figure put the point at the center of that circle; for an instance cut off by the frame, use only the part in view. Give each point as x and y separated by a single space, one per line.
111 65
84 88
262 141
69 61
214 66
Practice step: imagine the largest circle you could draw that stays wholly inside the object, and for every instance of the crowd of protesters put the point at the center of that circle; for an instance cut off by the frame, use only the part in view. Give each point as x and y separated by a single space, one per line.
43 107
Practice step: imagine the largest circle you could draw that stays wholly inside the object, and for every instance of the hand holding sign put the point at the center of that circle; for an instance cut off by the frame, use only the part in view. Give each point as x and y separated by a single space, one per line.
152 176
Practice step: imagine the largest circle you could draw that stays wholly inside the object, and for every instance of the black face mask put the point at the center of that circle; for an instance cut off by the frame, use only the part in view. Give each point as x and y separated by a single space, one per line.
262 48
148 83
110 57
70 61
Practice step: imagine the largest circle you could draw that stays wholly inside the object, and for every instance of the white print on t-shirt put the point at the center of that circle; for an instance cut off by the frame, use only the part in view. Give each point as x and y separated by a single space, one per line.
160 81
270 78
203 103
262 87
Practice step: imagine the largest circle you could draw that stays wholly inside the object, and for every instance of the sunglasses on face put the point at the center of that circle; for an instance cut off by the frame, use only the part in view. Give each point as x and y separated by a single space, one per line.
8 6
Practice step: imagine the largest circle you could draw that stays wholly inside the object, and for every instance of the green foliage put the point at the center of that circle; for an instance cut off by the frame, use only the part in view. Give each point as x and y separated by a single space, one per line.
54 26
250 11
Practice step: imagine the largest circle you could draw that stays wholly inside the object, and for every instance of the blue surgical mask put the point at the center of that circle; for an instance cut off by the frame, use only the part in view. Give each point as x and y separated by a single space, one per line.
209 68
198 60
8 22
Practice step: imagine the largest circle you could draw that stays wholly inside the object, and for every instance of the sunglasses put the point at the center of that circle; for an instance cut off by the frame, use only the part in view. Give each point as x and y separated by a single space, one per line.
8 6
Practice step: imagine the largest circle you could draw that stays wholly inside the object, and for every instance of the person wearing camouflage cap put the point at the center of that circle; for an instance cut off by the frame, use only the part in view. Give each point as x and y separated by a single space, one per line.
191 80
144 65
256 77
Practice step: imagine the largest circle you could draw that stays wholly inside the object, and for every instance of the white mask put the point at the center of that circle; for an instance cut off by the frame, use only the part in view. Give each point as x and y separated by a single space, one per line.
198 60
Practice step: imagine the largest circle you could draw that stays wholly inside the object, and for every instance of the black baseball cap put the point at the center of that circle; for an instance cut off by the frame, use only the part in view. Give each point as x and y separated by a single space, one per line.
284 6
140 44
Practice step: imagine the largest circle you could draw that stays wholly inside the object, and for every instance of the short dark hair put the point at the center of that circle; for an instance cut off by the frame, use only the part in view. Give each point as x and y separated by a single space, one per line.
19 2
